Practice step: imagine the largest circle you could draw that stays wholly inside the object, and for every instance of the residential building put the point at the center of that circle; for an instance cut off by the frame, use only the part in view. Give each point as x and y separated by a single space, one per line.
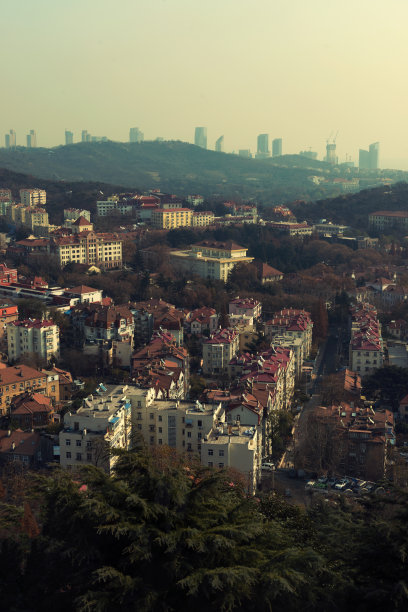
268 274
172 218
366 344
85 295
95 323
202 218
31 410
291 323
102 424
194 200
385 219
69 137
276 147
72 214
202 320
10 140
7 275
33 197
103 250
16 380
218 350
263 146
200 137
292 229
33 337
368 160
210 259
62 378
245 306
19 446
8 313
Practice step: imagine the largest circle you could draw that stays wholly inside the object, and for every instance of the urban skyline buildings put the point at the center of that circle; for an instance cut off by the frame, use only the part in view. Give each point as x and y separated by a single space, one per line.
200 137
262 149
31 139
69 137
219 144
11 140
276 147
369 160
136 135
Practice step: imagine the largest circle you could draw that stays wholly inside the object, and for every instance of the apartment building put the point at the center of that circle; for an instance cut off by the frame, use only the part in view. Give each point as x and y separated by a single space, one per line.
202 320
16 380
33 337
366 351
103 250
72 214
8 313
7 275
210 259
291 323
29 216
218 350
33 197
102 424
202 218
385 219
171 218
95 323
245 306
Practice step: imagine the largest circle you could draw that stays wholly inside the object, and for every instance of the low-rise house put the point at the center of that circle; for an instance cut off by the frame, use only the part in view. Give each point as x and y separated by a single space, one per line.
245 306
84 294
31 411
268 274
201 321
8 313
19 446
18 379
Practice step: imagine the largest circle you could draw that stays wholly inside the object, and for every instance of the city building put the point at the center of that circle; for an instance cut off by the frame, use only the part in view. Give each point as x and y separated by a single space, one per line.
369 160
219 144
210 259
384 219
31 139
85 137
291 323
331 157
31 410
69 137
33 337
94 323
263 146
268 274
135 135
218 350
102 424
8 313
202 320
245 153
366 344
202 218
7 275
172 218
276 147
194 200
19 379
245 306
85 295
19 446
308 154
292 229
200 137
33 197
103 250
10 140
72 214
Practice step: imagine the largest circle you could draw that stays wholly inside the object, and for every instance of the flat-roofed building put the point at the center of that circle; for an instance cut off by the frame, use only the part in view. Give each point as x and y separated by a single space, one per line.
210 259
33 197
171 218
383 219
33 337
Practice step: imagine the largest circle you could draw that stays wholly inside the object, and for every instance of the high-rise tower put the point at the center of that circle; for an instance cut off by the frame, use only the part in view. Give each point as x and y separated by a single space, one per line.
11 140
135 135
276 147
368 160
219 144
200 137
69 137
262 149
31 139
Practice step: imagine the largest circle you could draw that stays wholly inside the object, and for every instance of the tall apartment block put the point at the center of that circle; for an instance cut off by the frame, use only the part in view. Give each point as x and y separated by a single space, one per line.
85 137
200 137
31 140
10 140
276 147
136 135
368 160
33 197
219 144
262 146
69 137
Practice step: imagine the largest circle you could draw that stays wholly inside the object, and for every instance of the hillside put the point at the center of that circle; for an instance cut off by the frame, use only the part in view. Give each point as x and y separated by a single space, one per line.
175 167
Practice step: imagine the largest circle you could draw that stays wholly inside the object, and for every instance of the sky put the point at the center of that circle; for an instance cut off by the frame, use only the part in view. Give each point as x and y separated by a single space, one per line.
300 70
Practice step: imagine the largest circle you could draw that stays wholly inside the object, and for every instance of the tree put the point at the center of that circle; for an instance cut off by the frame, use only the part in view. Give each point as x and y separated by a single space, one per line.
388 384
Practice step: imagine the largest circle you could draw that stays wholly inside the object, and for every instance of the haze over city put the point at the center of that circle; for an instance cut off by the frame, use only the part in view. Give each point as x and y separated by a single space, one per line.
299 71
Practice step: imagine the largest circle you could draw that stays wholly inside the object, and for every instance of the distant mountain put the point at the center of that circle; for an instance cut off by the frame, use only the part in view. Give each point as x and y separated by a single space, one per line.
175 167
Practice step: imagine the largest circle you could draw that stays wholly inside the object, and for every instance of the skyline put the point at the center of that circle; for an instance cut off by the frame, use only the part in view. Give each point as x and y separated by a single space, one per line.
298 71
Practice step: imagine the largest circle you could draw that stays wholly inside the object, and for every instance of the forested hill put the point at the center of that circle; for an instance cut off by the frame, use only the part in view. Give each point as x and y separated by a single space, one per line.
175 167
353 209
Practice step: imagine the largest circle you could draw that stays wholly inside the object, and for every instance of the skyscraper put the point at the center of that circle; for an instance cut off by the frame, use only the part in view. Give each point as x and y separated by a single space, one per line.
200 137
276 147
219 144
11 140
262 149
85 137
69 137
135 135
374 151
368 160
331 157
31 139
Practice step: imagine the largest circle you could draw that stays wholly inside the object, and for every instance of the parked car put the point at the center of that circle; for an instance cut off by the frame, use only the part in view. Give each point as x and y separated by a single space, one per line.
341 484
268 467
309 486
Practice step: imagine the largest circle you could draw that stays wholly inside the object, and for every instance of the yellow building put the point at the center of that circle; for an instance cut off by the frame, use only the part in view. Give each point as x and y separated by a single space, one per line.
90 248
203 218
33 197
21 378
172 218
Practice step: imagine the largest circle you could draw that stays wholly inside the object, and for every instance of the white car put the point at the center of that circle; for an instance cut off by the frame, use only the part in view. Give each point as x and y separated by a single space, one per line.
268 467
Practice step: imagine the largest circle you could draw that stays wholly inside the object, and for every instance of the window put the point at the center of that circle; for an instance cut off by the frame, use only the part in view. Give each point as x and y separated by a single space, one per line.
139 426
221 453
88 444
76 425
210 464
199 435
78 443
210 451
151 439
139 416
199 423
151 427
68 455
89 456
139 404
220 465
160 418
151 416
189 434
68 442
160 429
160 441
79 457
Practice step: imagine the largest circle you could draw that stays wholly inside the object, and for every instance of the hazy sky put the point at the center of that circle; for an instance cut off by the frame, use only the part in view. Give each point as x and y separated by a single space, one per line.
296 69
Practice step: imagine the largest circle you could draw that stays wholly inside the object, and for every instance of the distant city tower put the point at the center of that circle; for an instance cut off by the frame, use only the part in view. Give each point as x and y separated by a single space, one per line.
136 135
69 137
11 140
200 137
276 147
262 148
31 139
368 160
219 144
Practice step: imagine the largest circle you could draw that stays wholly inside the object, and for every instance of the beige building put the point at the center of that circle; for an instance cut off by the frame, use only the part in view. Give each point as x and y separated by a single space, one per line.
171 218
19 379
90 248
101 424
33 337
210 259
202 218
33 197
218 351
